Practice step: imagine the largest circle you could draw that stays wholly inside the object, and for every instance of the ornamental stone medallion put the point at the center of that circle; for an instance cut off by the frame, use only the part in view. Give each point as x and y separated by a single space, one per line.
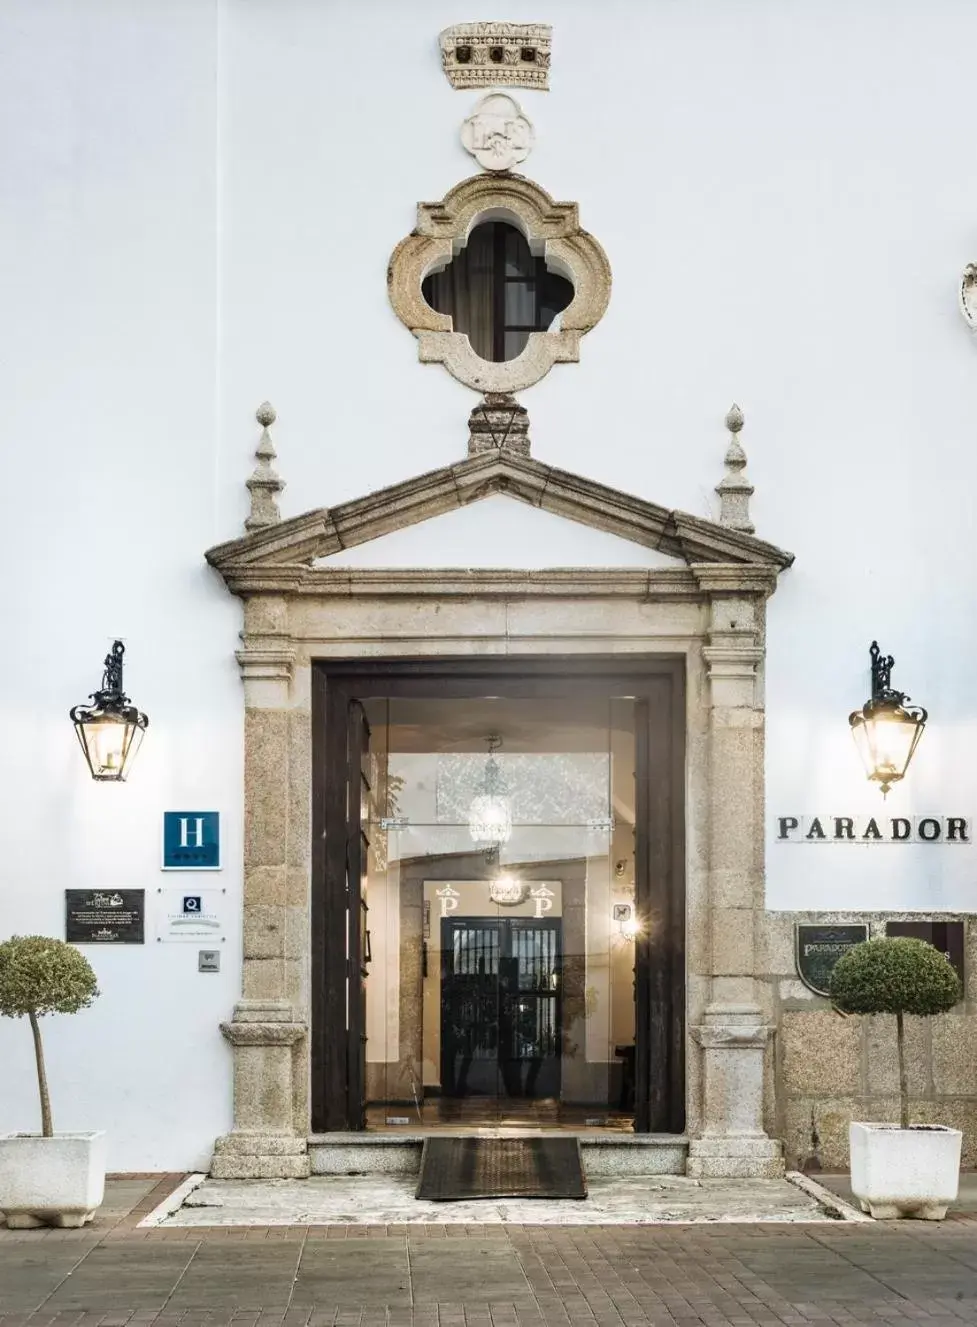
484 55
498 134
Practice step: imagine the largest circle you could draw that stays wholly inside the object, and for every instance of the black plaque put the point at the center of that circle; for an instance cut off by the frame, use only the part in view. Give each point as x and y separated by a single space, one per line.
947 937
105 916
818 948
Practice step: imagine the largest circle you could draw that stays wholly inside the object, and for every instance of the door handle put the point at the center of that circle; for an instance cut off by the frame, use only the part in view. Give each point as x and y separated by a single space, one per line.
368 955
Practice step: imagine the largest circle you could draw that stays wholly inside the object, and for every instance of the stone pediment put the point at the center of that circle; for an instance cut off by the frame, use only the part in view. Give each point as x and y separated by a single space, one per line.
282 554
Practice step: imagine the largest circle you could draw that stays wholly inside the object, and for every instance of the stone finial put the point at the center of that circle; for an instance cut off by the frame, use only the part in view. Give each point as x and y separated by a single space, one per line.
735 489
498 424
265 483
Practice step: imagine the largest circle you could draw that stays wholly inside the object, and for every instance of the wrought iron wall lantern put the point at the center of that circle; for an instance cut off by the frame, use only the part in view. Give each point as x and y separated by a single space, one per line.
886 729
110 730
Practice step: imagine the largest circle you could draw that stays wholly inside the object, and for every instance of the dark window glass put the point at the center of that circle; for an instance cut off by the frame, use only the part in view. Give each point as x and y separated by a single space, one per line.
496 292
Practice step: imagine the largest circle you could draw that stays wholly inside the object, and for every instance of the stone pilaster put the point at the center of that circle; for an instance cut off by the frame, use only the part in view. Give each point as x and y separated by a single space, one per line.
733 1144
266 1029
263 1143
733 1034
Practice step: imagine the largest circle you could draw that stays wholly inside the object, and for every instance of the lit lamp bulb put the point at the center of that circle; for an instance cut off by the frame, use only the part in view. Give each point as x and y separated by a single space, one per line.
631 928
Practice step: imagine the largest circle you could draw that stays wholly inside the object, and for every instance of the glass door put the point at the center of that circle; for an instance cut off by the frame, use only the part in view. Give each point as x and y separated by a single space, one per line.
501 896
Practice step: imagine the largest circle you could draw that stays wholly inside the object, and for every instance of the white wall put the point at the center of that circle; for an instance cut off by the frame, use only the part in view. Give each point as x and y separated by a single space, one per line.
109 380
200 199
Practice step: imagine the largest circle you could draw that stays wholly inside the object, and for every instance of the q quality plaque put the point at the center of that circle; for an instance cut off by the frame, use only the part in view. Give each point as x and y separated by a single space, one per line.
818 948
105 916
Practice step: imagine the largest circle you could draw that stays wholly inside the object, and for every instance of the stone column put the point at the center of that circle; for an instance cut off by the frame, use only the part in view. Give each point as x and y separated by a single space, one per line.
734 1033
266 1141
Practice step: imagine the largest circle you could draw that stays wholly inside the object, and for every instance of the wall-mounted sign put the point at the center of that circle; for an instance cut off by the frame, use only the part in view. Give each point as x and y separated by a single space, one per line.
872 829
105 916
191 841
947 937
192 914
818 948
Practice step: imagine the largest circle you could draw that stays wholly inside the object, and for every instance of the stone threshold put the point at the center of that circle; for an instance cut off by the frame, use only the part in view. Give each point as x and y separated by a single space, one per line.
388 1200
604 1154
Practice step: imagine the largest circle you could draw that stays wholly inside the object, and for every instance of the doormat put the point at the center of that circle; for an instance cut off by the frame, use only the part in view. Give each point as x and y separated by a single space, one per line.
453 1169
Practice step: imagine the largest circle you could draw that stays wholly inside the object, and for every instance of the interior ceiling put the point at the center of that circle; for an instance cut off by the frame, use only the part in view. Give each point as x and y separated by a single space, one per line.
533 726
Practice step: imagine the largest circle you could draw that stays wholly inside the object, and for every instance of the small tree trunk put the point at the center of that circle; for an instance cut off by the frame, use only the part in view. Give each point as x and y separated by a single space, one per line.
903 1083
47 1129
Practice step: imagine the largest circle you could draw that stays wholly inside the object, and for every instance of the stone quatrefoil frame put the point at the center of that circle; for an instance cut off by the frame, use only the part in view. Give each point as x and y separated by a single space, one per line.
552 229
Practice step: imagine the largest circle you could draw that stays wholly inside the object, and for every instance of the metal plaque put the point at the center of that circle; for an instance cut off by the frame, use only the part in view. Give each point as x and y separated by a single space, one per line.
191 841
947 937
208 960
818 948
105 916
194 915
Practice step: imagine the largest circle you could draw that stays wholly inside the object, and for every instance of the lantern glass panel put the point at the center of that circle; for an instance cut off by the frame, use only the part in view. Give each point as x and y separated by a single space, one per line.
886 740
110 742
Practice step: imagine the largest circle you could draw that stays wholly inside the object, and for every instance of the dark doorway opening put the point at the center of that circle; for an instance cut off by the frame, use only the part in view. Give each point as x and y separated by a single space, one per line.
415 917
501 1023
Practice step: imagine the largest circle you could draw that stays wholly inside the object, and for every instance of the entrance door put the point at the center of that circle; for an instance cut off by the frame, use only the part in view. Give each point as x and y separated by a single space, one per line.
339 926
554 784
358 943
500 1007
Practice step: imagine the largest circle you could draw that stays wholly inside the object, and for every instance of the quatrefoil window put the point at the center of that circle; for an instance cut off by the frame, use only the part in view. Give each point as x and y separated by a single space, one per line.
497 291
494 329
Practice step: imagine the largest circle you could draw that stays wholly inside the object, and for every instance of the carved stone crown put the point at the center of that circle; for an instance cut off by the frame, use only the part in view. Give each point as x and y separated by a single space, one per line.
487 55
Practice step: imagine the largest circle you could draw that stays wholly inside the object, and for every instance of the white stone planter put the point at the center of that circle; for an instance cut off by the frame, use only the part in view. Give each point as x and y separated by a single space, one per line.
57 1181
905 1172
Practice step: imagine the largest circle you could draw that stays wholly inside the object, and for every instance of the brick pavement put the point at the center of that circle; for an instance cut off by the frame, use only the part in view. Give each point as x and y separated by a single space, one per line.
115 1275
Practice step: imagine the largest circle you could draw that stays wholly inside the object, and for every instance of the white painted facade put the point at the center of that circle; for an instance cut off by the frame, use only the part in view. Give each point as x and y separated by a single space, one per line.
200 199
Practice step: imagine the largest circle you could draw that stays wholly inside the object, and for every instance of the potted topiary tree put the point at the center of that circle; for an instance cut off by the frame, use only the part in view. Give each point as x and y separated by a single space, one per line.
904 1169
47 1178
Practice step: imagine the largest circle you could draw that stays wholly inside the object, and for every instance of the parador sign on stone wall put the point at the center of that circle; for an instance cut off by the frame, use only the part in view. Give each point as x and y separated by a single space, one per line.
872 829
818 949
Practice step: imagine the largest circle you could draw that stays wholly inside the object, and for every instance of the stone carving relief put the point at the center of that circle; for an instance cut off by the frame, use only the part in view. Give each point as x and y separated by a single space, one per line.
498 134
483 55
551 227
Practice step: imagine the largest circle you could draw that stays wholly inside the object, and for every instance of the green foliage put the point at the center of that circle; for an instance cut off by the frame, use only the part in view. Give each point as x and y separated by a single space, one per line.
41 975
894 976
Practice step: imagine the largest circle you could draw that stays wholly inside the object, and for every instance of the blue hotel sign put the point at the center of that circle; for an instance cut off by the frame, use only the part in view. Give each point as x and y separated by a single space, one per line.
191 841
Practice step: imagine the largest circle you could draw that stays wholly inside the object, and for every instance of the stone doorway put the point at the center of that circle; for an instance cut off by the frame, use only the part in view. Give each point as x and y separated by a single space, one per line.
701 601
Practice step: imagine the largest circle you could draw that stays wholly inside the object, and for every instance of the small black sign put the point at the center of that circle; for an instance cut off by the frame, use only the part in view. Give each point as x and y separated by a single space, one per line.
818 949
947 937
105 916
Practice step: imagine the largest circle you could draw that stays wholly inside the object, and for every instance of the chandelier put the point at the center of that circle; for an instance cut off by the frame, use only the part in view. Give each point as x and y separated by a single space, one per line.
490 815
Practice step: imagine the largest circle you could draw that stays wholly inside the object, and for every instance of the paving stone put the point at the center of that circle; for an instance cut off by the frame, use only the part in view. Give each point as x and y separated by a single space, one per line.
358 1271
484 1270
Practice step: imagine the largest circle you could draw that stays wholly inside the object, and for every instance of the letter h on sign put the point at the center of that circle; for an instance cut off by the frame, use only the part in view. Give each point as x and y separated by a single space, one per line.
191 841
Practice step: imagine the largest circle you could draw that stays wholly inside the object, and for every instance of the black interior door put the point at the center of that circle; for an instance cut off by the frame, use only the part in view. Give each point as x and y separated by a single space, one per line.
501 1007
358 934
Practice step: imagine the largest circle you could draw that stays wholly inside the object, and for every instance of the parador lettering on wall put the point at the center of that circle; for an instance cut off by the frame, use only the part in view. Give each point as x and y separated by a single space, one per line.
873 829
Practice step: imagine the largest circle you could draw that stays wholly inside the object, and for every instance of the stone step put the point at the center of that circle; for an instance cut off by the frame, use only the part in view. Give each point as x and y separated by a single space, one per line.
400 1154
